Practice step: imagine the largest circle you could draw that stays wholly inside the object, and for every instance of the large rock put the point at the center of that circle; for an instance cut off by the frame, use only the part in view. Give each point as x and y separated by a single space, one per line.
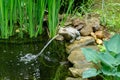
77 55
84 41
80 64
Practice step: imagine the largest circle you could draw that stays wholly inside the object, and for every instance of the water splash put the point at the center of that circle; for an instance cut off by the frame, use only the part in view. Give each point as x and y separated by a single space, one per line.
29 57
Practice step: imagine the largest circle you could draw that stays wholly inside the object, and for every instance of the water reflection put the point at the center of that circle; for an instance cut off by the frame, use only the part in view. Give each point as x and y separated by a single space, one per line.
43 68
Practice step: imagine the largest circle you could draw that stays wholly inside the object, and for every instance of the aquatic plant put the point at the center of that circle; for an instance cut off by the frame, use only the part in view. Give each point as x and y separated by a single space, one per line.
53 10
42 7
107 61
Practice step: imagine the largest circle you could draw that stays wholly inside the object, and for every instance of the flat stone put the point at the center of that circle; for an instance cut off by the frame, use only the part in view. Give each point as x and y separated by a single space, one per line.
83 64
84 41
77 72
76 55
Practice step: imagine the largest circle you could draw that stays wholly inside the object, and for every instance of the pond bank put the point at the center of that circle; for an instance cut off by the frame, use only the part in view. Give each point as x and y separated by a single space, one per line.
77 58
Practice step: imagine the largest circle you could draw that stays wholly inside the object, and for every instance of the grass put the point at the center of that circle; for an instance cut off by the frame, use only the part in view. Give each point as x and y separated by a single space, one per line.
67 12
109 13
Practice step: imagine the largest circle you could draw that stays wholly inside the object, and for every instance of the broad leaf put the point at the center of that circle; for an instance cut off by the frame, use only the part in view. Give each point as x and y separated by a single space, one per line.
113 44
117 57
90 73
90 55
106 70
118 74
107 59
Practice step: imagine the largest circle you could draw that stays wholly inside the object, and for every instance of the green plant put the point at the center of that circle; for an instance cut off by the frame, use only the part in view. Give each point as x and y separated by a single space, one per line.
109 13
53 10
42 6
67 12
107 61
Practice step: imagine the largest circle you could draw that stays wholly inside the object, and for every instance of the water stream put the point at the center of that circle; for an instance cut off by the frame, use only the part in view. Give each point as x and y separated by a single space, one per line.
42 68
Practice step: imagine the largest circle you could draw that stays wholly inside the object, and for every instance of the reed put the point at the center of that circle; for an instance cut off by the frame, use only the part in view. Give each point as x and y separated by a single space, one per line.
53 10
20 17
11 16
28 15
1 19
41 8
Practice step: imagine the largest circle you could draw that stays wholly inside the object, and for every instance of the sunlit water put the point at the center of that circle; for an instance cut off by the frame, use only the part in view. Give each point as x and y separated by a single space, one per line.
42 68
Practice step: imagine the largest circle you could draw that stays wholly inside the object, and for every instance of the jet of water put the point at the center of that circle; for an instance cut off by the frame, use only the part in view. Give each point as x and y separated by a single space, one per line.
28 57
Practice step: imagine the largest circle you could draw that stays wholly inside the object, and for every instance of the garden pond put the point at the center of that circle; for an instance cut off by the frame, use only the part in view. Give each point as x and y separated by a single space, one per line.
50 65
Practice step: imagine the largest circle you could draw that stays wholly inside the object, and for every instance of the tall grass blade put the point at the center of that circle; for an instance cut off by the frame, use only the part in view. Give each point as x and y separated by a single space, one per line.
68 10
2 18
11 16
30 14
53 10
20 18
41 6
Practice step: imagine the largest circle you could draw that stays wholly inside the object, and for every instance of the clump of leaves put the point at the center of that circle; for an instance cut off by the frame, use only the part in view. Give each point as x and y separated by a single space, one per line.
108 61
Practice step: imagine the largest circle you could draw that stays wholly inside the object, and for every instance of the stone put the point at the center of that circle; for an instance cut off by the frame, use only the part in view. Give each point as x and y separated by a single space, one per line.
99 41
82 64
71 78
77 21
86 31
99 34
76 72
76 55
84 41
79 27
95 23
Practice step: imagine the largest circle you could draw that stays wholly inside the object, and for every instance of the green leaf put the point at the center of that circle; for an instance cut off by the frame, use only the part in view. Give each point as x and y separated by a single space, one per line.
117 57
113 44
90 73
90 55
118 74
107 59
106 70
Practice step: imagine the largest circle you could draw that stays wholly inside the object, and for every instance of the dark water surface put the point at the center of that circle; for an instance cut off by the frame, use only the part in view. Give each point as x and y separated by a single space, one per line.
44 68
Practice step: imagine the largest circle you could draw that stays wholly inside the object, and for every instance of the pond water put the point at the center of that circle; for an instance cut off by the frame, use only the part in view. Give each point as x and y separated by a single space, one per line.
50 65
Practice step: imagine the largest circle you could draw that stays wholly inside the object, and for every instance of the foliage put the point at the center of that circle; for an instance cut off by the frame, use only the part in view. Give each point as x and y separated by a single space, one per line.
53 10
86 7
108 61
18 17
109 13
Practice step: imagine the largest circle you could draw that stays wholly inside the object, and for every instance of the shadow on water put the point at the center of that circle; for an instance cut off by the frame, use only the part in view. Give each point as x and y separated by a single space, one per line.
46 67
